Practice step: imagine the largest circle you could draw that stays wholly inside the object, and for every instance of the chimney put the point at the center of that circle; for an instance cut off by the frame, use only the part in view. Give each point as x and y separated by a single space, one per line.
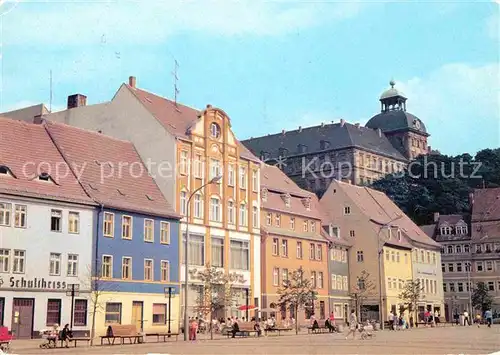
300 128
209 106
342 122
283 132
357 124
436 217
76 100
379 131
132 81
322 125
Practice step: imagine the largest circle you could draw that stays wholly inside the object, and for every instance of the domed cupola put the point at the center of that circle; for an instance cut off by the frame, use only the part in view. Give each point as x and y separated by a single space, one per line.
392 99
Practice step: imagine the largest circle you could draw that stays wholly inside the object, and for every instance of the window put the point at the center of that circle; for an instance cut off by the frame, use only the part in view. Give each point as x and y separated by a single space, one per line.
275 246
334 281
53 312
230 212
55 264
359 255
339 282
196 249
19 262
458 248
72 269
347 210
284 276
284 248
361 284
306 226
313 279
319 252
434 261
165 233
113 313
479 266
126 268
278 220
478 248
215 214
397 257
4 260
80 313
459 267
489 265
149 230
312 251
450 249
239 254
109 219
344 282
214 130
215 169
352 233
159 313
452 287
313 226
460 287
183 202
292 223
243 215
217 252
428 257
198 166
255 217
393 256
491 286
74 222
450 267
198 206
466 248
5 210
148 270
243 178
444 287
165 270
230 175
276 276
269 218
299 250
107 266
334 231
56 221
183 166
126 227
320 279
255 184
20 216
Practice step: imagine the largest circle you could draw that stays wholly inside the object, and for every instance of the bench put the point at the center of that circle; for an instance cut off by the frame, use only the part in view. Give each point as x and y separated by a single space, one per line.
76 340
277 330
320 329
245 330
164 335
122 331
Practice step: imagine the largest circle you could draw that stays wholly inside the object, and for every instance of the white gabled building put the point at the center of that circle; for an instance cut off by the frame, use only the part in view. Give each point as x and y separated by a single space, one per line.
46 233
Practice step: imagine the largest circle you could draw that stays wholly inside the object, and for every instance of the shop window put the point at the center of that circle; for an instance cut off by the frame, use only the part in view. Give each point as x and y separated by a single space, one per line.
113 313
159 313
53 312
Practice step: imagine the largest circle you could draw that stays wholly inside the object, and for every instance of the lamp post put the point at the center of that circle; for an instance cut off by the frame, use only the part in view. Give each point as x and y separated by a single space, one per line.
186 270
247 304
380 250
468 266
72 290
168 293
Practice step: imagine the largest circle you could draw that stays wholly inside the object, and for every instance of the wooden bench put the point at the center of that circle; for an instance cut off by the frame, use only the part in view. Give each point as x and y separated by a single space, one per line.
277 330
76 340
245 330
320 329
122 331
164 335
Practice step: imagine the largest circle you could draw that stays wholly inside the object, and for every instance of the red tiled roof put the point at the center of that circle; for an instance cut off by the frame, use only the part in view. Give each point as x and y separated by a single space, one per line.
486 204
177 119
27 150
110 170
274 179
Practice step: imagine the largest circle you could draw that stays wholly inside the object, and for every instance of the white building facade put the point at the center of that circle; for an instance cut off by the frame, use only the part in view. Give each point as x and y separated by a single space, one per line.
45 248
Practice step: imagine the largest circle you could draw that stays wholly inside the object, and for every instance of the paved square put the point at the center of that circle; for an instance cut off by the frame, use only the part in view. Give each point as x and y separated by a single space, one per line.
446 340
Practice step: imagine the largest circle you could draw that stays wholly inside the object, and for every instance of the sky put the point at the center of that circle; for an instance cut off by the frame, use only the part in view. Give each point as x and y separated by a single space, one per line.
270 65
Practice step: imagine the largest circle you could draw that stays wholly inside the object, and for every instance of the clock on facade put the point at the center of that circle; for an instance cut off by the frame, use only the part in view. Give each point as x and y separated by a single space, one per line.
416 123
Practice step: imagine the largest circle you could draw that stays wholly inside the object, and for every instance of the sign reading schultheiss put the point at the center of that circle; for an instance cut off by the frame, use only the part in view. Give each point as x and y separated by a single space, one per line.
37 283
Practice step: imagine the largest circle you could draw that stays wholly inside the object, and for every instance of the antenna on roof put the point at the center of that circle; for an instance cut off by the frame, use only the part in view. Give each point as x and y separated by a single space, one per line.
176 78
50 98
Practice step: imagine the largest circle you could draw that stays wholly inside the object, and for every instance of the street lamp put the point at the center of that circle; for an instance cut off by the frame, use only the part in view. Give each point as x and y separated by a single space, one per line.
168 292
72 290
380 250
468 266
186 271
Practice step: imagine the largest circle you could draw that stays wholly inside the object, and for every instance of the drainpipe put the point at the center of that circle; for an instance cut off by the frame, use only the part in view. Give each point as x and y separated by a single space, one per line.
92 276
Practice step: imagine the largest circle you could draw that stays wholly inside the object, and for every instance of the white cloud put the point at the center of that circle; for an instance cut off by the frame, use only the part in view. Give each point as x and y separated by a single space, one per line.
152 21
460 105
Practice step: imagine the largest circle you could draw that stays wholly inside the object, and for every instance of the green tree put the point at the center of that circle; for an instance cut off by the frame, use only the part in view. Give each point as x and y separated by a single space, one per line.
411 294
297 293
481 298
216 291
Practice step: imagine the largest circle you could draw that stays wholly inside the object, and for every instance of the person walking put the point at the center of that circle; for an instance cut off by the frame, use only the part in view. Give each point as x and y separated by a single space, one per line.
489 317
353 325
466 318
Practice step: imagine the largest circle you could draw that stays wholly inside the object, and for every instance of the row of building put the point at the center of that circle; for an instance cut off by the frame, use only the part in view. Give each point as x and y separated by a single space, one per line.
99 197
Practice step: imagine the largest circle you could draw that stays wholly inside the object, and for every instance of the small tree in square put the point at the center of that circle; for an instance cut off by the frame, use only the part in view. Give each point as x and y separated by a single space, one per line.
362 290
411 294
216 291
481 298
297 293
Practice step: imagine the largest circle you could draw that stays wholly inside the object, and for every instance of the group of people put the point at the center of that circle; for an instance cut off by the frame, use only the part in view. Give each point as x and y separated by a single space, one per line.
54 334
466 318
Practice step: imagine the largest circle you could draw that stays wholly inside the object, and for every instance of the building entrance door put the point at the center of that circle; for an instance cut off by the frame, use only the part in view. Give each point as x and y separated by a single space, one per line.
23 310
137 314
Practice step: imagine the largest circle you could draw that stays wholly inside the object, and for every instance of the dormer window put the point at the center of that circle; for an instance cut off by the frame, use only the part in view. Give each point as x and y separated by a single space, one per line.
263 194
4 171
45 177
445 230
399 235
334 231
324 145
302 148
264 155
286 198
461 229
307 203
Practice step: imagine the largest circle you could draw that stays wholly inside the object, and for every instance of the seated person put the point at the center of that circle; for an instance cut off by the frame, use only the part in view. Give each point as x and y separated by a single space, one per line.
256 327
315 325
236 328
